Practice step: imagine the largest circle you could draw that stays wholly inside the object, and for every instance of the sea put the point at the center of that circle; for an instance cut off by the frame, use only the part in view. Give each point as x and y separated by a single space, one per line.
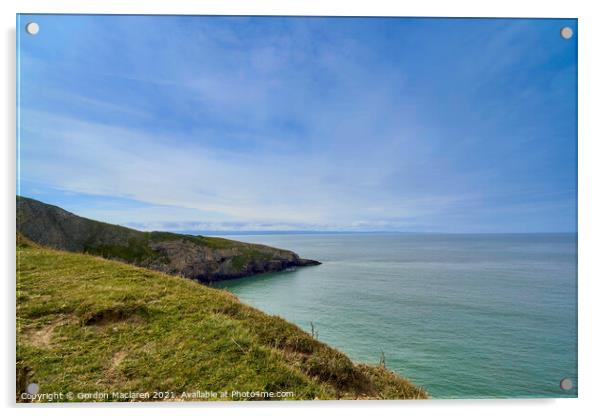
462 315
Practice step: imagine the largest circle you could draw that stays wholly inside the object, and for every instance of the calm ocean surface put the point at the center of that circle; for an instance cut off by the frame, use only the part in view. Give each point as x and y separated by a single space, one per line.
462 315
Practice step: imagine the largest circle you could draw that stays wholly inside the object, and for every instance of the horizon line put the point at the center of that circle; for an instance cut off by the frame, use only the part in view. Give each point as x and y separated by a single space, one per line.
284 232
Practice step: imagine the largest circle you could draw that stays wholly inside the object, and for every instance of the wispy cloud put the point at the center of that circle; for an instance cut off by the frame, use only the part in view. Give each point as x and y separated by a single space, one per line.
268 123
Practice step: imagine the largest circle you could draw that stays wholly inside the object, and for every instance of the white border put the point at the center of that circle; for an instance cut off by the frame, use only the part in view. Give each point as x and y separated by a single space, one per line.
590 200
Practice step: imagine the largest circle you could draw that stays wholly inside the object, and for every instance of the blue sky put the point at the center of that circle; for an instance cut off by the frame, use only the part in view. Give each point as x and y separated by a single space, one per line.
248 123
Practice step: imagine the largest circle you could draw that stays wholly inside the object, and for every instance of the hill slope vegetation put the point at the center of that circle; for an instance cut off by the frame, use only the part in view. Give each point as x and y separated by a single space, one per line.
201 258
86 324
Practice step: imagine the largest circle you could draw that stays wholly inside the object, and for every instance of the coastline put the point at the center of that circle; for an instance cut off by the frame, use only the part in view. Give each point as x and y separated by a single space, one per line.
122 321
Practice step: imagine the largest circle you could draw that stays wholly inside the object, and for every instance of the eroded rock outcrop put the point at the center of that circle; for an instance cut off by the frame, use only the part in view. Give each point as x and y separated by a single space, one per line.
202 258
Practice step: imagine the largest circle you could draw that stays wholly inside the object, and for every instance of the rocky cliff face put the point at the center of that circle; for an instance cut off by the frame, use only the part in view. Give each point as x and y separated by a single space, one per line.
201 258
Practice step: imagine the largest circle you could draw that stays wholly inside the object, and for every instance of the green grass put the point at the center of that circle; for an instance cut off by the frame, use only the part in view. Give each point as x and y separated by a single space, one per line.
138 249
86 324
211 242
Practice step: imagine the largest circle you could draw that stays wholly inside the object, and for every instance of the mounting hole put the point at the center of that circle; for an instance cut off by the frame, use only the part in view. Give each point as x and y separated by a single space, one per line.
32 28
33 388
566 32
566 384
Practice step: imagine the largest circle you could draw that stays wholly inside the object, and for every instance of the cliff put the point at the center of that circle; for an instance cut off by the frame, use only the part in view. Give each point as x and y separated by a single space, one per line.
87 324
205 259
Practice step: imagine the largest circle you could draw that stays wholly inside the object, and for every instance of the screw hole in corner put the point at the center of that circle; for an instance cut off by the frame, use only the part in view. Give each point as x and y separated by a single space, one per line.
566 384
566 32
32 28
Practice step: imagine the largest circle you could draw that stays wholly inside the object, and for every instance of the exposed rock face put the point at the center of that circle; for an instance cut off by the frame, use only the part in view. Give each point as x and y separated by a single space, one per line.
205 259
201 262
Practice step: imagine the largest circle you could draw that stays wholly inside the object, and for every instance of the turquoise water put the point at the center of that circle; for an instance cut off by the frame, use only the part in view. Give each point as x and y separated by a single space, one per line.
465 316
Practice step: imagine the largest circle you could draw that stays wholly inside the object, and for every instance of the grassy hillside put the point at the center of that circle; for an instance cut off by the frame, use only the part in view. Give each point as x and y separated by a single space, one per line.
206 259
87 324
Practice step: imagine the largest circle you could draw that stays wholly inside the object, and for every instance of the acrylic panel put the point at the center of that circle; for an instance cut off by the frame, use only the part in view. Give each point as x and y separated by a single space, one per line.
295 208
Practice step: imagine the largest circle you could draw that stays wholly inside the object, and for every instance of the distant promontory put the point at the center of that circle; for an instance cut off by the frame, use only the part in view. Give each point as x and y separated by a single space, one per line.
206 259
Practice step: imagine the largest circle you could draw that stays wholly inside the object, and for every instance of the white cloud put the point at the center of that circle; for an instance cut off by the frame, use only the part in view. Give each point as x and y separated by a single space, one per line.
194 183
